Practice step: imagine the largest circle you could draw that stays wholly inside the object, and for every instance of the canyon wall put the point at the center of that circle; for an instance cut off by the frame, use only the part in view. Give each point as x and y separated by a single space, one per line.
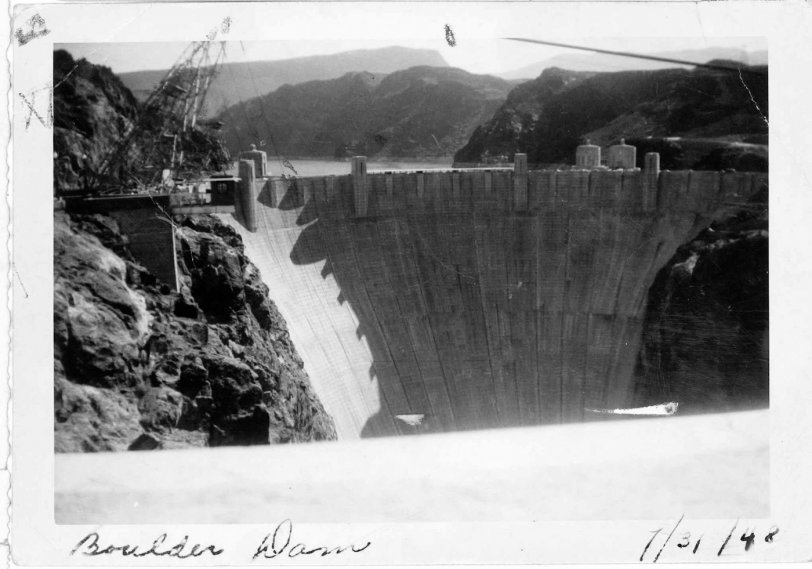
139 365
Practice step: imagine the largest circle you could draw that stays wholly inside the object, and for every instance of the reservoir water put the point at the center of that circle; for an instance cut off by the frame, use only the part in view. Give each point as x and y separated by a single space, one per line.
322 167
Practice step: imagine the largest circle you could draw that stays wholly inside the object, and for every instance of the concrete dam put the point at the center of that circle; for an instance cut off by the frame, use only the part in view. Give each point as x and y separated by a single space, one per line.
476 298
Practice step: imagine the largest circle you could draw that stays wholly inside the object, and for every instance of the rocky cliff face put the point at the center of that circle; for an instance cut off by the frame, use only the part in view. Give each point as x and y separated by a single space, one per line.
92 111
137 366
549 116
705 339
419 112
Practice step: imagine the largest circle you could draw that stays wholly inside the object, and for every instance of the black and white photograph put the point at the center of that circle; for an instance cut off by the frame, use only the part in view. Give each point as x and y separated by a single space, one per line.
406 283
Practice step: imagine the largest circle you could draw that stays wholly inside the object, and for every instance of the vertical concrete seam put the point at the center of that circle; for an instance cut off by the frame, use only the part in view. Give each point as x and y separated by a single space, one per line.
378 319
437 351
401 257
484 305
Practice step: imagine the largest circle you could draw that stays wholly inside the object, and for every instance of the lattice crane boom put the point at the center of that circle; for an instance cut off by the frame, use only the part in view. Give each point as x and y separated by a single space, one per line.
168 135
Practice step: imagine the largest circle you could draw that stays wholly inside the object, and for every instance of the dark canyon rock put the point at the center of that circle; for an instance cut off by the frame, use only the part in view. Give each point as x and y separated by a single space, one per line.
145 442
705 339
139 367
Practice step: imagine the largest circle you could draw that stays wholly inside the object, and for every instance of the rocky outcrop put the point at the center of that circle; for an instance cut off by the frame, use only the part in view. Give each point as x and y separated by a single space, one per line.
750 154
418 112
137 366
705 339
93 110
549 116
513 126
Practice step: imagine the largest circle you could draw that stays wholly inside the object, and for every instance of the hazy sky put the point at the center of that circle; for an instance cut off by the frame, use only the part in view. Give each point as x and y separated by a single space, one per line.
474 55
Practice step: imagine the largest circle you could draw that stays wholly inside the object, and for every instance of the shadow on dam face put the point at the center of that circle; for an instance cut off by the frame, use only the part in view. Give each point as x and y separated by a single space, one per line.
452 298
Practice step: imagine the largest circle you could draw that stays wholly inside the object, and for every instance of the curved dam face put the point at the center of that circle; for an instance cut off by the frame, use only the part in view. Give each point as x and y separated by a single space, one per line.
478 299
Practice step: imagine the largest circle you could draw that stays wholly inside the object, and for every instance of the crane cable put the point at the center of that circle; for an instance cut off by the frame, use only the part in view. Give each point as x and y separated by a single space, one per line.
717 66
283 162
118 154
249 123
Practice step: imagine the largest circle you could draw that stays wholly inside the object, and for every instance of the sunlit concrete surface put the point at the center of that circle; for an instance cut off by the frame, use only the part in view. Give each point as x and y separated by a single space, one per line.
323 325
706 466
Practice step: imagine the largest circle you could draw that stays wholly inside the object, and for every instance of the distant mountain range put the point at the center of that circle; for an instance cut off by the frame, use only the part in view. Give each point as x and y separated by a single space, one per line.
580 61
549 116
418 112
434 110
246 80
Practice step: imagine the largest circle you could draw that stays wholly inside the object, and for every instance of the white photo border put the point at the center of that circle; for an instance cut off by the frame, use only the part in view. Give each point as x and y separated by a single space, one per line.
37 539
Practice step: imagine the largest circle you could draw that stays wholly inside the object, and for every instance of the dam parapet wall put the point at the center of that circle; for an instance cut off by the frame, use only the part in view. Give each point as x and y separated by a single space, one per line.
375 194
